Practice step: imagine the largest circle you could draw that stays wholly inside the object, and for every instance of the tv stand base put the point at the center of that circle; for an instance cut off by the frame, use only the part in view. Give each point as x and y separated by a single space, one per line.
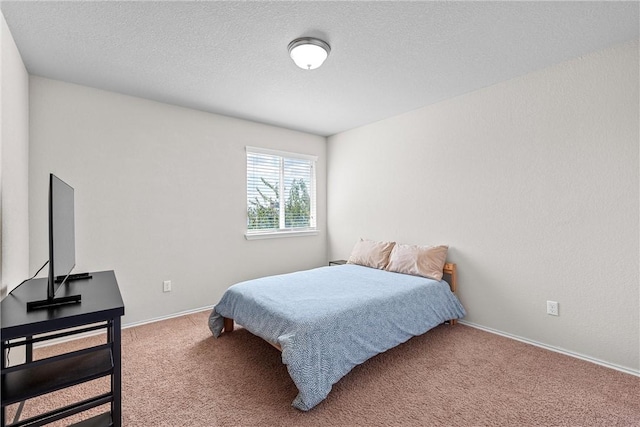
53 302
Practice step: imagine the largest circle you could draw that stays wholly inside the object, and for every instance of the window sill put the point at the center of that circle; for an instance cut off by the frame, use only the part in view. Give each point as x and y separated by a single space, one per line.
278 234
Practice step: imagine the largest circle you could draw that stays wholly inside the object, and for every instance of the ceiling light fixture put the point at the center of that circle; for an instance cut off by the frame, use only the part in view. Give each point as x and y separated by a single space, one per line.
309 53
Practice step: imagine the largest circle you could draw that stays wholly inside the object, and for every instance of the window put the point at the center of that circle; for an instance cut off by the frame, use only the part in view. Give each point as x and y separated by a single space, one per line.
281 193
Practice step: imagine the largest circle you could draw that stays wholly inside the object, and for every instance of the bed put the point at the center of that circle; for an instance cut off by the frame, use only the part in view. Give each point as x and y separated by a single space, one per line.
328 320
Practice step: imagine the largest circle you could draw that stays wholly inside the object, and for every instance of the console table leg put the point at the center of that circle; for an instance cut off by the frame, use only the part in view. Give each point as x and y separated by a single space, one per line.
116 384
3 364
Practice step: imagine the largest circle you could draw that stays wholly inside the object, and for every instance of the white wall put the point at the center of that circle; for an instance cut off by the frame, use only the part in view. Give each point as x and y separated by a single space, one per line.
14 163
160 195
534 184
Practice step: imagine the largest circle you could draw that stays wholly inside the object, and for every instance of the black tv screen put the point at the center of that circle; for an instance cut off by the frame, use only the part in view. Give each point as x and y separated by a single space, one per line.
62 249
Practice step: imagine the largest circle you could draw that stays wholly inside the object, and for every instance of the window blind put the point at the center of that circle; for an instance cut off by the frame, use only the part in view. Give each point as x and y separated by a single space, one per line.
280 191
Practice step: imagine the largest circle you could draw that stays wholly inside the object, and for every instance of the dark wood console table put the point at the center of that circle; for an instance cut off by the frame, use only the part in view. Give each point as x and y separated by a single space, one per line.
101 308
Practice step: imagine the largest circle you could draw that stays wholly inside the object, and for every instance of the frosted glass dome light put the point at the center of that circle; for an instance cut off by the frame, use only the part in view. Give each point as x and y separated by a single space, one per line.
308 53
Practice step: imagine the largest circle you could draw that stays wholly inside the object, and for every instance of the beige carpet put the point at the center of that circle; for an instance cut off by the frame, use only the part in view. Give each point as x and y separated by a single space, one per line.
176 374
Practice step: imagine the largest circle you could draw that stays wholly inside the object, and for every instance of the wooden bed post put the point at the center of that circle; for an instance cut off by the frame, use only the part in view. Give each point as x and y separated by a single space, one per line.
450 269
228 324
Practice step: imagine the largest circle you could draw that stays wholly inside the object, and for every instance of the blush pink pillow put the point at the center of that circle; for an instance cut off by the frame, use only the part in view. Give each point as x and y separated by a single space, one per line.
371 254
425 261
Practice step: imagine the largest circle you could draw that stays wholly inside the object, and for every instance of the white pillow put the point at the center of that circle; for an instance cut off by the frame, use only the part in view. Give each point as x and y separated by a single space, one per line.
425 261
371 254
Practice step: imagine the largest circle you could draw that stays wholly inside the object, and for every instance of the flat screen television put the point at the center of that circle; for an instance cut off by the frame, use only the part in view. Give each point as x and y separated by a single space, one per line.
62 247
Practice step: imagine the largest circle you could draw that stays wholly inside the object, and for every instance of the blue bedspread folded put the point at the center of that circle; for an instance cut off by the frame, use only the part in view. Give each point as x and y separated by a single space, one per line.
330 319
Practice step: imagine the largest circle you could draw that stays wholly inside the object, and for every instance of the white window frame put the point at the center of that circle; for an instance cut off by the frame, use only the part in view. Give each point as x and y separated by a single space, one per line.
282 231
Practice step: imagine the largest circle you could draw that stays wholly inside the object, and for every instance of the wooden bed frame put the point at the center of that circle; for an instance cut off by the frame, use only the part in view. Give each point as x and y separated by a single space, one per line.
449 269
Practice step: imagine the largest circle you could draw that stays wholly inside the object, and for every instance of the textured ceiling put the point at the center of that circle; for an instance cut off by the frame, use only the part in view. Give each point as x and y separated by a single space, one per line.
231 57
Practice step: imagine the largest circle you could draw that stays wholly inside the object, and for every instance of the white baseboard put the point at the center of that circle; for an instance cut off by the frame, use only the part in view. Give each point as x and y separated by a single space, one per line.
554 349
168 316
124 326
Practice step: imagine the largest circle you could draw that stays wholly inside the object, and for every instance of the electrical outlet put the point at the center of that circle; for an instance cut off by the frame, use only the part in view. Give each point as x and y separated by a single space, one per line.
552 308
166 286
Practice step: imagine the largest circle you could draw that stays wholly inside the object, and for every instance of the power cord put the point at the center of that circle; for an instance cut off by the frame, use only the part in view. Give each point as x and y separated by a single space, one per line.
32 277
21 283
21 406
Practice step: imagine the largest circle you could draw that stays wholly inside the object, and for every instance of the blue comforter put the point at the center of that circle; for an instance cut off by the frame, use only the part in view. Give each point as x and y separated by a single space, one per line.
330 319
